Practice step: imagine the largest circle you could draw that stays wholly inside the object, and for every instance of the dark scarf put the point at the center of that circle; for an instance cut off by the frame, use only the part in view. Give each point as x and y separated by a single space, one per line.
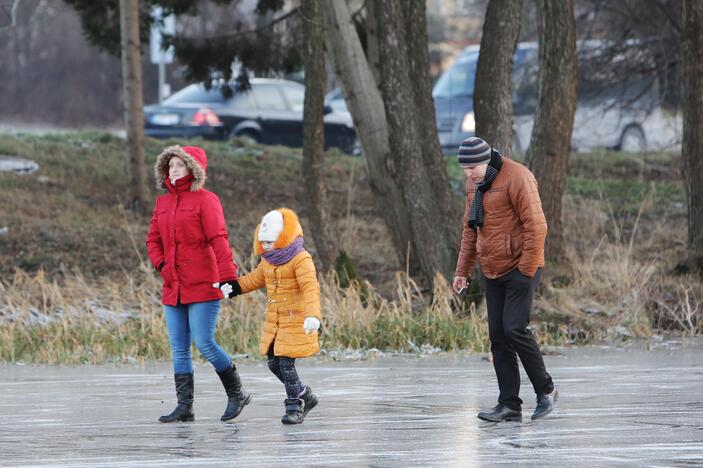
476 213
280 256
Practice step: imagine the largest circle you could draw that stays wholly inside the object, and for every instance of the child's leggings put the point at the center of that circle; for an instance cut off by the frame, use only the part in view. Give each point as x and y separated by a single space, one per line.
284 368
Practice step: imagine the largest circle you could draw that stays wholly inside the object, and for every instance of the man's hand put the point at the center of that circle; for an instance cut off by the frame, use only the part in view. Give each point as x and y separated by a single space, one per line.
229 288
459 283
311 324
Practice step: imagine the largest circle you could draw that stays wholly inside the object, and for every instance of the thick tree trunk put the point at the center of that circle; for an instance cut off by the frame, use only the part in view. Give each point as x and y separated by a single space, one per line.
692 147
548 154
493 104
417 53
366 106
372 40
416 163
133 101
313 132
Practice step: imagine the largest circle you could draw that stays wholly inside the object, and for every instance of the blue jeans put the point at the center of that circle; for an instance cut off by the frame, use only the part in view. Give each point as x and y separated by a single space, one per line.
194 322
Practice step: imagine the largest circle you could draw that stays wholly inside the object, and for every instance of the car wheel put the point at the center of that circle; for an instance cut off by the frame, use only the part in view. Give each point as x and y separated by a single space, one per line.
633 140
247 137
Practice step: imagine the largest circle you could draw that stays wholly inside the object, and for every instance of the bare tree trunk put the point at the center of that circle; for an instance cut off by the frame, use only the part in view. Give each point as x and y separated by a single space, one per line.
417 53
372 40
313 131
133 101
493 104
416 163
692 147
548 154
366 106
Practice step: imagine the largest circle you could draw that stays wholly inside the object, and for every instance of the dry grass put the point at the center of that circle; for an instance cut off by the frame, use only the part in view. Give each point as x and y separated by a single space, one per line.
76 321
621 275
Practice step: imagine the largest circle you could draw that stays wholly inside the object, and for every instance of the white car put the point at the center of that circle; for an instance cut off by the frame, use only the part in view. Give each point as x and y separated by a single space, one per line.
626 117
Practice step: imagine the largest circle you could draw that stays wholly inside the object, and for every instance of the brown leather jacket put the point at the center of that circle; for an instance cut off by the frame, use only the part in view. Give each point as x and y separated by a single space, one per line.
514 227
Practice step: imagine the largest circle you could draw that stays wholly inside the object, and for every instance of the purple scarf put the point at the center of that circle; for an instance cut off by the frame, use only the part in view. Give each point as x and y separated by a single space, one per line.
280 256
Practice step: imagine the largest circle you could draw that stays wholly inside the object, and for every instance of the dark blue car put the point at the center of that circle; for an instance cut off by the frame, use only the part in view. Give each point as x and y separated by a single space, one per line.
271 113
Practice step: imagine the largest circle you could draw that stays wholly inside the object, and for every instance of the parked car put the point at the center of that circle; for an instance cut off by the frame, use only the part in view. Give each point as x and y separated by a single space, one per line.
271 112
336 101
626 116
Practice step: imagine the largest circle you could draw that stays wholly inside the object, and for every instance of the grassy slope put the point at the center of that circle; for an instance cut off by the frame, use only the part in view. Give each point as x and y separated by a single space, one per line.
67 215
624 219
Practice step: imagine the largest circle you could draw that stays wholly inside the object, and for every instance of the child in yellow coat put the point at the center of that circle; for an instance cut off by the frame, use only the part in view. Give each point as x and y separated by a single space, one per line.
293 317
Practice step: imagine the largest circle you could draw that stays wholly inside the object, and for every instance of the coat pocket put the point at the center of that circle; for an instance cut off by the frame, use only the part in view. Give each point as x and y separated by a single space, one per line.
192 272
188 226
290 318
162 219
515 245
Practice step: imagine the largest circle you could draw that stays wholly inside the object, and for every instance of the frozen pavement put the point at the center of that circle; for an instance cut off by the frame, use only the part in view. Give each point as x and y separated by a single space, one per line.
618 407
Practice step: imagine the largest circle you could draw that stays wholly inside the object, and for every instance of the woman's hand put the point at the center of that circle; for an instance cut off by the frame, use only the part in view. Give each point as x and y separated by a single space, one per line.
311 324
166 275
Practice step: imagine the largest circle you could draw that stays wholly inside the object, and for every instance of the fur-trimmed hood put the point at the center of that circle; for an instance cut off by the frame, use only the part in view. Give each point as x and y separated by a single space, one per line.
291 231
195 159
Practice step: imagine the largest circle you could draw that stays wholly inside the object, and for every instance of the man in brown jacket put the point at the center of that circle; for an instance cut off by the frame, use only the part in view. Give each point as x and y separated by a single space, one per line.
505 228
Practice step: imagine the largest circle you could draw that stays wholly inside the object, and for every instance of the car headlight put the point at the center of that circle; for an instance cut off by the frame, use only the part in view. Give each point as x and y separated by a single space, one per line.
468 124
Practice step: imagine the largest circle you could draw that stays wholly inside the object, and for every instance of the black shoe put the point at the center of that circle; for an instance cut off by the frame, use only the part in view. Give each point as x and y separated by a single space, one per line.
545 405
237 398
298 408
184 393
501 413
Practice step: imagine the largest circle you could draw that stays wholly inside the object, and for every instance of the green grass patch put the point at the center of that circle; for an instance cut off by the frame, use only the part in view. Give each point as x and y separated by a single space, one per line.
627 196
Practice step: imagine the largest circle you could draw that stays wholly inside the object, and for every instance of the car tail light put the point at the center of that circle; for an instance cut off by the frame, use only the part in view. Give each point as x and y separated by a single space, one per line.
207 117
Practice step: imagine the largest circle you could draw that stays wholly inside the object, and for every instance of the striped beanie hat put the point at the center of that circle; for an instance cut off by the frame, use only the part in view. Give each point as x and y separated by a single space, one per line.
473 151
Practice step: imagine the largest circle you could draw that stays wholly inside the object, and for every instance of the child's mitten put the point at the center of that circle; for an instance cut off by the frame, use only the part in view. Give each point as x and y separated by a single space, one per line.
311 324
229 288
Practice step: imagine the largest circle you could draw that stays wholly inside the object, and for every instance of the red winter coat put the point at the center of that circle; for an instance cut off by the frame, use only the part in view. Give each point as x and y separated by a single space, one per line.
187 233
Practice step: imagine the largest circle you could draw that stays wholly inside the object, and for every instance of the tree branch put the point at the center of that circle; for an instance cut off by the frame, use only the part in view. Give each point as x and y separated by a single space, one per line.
281 18
255 30
13 16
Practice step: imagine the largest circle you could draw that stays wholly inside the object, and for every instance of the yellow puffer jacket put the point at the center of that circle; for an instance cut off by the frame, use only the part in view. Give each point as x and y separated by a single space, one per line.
293 294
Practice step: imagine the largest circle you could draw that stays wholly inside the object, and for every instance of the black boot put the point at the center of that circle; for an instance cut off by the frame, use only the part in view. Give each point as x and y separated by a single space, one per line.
545 405
501 413
298 408
184 393
237 398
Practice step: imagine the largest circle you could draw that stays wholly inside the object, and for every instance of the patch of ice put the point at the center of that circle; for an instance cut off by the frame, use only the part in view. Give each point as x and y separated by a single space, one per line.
18 165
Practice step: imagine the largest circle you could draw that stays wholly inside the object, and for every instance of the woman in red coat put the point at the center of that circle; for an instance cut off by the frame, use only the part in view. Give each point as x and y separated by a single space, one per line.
188 244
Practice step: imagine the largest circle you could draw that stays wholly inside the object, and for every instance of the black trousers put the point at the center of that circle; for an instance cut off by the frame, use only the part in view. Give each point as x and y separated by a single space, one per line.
284 368
509 302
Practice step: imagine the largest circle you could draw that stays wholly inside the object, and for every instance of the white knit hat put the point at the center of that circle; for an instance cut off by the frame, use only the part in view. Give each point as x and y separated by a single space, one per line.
271 226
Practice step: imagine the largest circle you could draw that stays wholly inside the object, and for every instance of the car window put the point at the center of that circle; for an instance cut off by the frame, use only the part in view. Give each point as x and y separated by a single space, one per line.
243 100
196 93
295 96
335 94
459 79
525 81
268 97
